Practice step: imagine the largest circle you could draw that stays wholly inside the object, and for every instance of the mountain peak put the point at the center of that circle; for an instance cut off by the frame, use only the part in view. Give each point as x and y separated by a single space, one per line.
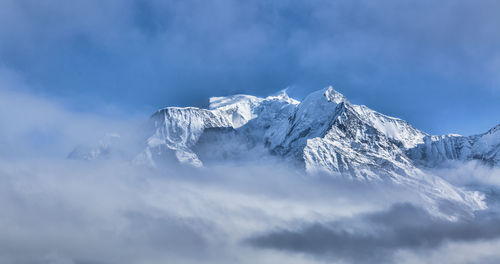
282 96
334 96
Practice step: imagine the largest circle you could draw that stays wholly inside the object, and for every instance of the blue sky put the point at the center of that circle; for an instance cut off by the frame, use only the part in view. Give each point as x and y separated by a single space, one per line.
433 63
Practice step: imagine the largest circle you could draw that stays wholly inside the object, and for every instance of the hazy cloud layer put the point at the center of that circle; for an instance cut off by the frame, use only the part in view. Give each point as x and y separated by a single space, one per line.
404 58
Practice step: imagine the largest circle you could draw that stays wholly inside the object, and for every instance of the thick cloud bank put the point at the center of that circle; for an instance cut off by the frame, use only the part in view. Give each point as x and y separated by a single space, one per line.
378 236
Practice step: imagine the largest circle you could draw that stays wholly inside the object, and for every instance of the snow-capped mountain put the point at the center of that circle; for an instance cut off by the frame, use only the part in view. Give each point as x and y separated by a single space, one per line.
323 133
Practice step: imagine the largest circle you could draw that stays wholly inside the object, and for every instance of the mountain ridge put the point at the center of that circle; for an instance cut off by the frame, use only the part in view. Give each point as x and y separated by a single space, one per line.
286 127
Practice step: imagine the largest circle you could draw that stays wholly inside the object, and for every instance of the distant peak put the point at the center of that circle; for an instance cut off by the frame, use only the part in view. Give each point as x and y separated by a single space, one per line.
333 96
280 95
283 96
